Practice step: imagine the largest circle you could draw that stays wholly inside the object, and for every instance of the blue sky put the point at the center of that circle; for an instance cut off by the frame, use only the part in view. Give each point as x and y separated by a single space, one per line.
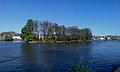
102 16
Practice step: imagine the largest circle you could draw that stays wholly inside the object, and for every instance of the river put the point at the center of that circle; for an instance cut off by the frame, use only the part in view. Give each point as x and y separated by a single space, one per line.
52 57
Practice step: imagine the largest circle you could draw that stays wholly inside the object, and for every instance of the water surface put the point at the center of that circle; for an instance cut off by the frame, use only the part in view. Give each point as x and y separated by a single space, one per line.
23 57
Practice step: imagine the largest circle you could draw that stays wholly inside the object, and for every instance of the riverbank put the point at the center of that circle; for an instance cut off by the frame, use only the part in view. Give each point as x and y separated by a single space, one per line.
81 41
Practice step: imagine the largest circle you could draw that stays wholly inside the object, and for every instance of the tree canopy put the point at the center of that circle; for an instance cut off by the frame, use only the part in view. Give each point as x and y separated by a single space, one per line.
27 31
48 31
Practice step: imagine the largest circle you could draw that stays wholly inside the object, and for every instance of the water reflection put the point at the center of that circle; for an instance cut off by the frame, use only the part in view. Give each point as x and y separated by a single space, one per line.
27 50
54 57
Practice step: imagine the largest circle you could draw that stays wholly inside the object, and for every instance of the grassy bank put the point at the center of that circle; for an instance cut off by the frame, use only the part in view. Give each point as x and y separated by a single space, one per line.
72 41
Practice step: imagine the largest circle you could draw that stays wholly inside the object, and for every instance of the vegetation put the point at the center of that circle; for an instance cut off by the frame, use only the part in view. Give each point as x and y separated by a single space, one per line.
51 32
80 66
8 38
27 31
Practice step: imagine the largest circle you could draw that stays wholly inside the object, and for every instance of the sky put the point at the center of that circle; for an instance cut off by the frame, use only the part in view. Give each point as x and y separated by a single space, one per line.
101 16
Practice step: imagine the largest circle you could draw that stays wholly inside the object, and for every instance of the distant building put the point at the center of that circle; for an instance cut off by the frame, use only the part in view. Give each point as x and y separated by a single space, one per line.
2 37
16 38
13 35
100 37
106 37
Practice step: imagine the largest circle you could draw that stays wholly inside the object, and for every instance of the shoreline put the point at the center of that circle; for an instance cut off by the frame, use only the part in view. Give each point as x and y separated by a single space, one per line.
81 41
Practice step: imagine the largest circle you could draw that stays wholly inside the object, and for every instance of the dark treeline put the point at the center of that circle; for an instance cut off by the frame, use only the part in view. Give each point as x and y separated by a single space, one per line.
47 31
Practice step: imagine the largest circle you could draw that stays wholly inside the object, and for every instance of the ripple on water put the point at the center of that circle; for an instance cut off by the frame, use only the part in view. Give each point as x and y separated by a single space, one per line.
20 57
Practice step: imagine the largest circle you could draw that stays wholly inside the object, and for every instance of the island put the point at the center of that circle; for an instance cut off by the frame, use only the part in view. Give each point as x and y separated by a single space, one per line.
47 32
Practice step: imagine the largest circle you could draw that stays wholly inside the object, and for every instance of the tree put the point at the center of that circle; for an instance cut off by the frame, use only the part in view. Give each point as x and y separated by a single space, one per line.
74 33
36 29
85 34
88 33
27 31
48 31
8 38
40 30
62 33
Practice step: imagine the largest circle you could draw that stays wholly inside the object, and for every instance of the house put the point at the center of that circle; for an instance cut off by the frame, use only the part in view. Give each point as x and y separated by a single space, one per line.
16 38
2 37
100 37
9 36
106 37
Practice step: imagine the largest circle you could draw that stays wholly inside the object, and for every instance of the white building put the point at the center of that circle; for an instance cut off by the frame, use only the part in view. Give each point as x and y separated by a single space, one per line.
102 38
108 38
17 38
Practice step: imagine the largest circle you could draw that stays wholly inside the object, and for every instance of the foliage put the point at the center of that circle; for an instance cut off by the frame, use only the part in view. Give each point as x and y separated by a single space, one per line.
8 38
27 30
79 66
48 31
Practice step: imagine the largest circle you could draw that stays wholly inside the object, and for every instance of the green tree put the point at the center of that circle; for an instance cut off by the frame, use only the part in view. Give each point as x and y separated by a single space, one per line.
37 30
27 31
8 38
50 33
88 33
85 34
